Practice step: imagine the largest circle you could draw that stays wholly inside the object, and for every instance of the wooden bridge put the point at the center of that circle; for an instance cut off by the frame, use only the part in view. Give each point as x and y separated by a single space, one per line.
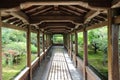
66 17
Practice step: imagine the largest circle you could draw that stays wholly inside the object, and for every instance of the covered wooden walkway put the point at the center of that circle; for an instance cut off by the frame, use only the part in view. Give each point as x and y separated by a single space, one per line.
60 67
66 17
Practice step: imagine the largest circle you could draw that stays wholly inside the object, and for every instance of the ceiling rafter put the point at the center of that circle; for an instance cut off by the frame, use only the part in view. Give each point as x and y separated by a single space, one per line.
84 9
99 18
68 10
64 12
77 9
28 8
115 3
42 11
90 15
59 31
6 17
11 20
54 27
20 23
22 16
73 19
35 9
57 27
101 4
16 22
42 25
96 20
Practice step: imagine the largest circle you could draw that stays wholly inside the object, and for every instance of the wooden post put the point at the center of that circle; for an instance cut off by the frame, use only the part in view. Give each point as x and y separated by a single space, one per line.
49 40
0 48
38 42
85 57
64 40
46 41
113 56
43 41
44 45
29 51
76 48
68 43
68 40
71 46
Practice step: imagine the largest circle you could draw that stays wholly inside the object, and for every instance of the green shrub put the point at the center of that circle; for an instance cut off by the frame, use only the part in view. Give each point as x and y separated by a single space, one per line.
4 61
20 47
33 49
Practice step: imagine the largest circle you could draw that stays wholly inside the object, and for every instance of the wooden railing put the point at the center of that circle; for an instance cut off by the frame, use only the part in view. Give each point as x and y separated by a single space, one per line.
24 74
91 75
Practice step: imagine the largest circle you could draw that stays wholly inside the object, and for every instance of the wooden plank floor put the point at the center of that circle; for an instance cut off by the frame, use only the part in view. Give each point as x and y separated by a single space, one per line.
59 68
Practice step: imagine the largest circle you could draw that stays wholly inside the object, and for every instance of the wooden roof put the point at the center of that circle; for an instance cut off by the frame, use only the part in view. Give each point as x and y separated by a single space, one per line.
55 16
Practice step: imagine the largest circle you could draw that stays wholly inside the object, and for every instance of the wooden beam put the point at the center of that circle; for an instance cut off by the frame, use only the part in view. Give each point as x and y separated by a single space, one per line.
75 2
46 41
58 29
85 56
68 10
72 8
68 41
60 21
113 54
77 9
0 48
11 26
49 27
34 9
115 3
29 52
41 11
102 24
84 3
55 3
61 29
22 16
38 43
90 15
74 19
43 41
16 21
71 25
7 19
76 48
71 46
117 20
7 25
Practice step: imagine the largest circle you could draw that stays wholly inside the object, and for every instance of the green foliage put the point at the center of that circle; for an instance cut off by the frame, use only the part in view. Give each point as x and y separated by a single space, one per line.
98 39
14 51
10 35
33 49
97 43
20 47
80 38
34 39
80 44
58 38
9 72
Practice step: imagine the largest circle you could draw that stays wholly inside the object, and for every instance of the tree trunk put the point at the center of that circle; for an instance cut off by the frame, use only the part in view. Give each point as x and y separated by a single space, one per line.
95 49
